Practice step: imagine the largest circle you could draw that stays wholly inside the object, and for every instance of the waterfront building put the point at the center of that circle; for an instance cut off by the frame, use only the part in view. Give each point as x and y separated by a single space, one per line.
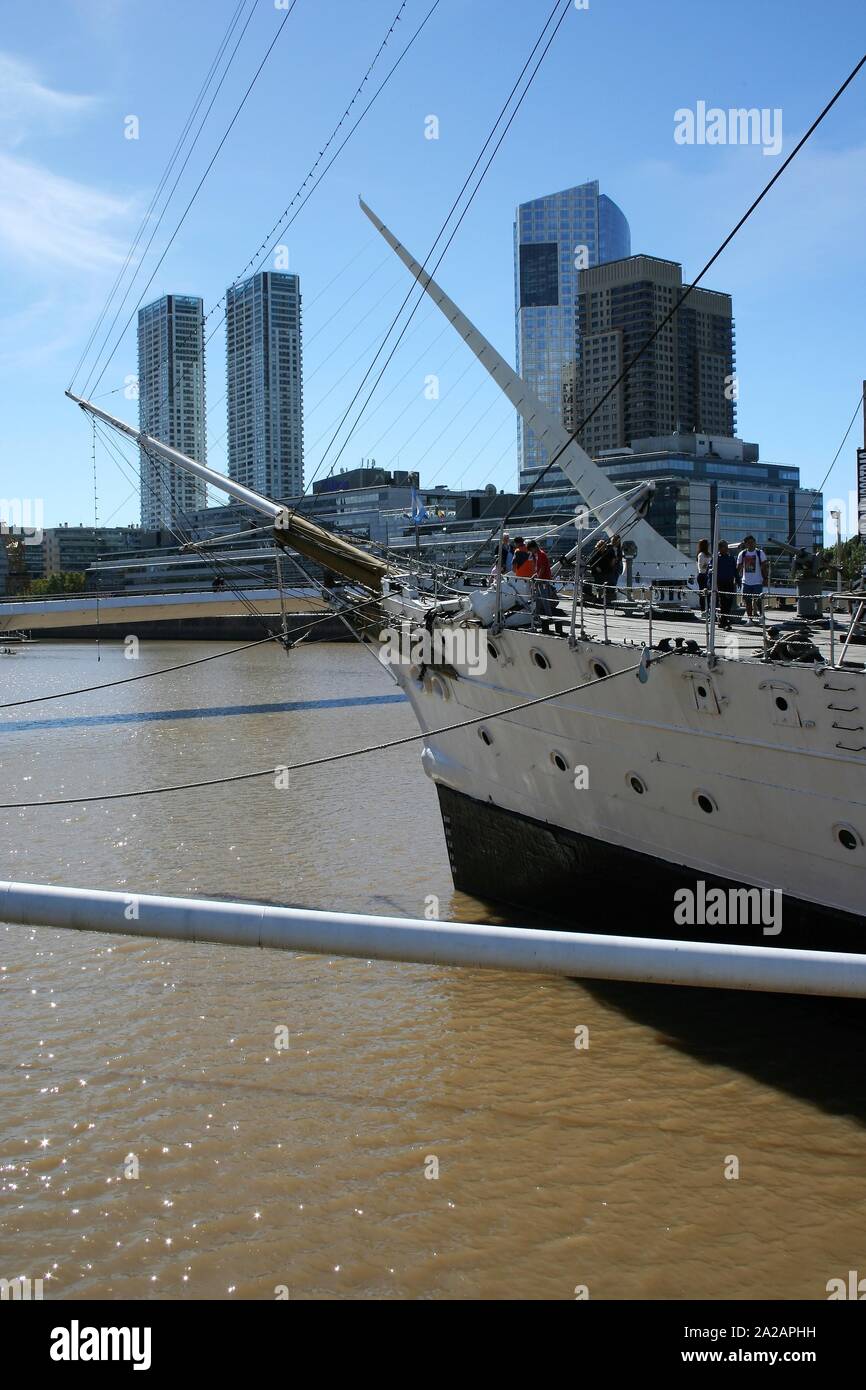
695 473
377 505
171 405
21 561
684 382
264 384
554 236
72 549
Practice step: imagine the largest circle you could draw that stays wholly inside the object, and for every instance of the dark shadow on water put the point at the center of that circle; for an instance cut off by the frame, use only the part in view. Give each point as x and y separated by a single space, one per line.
814 1049
811 1048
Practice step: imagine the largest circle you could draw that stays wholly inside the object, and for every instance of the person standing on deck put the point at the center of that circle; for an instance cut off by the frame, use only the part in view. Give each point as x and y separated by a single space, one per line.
726 582
752 572
542 560
703 563
522 565
543 578
504 558
613 565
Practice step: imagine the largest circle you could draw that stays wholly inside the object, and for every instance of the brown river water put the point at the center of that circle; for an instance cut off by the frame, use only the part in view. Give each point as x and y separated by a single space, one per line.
303 1170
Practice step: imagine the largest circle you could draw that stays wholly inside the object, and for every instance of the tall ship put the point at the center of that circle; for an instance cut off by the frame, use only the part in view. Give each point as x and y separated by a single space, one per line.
600 759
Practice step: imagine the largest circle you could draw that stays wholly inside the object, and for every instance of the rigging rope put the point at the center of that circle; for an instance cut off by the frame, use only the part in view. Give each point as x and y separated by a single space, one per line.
96 529
668 316
278 228
176 531
162 182
441 231
196 661
820 488
198 186
330 757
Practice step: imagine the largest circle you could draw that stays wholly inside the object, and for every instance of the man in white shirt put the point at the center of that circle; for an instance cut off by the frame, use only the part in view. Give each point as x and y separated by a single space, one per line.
752 572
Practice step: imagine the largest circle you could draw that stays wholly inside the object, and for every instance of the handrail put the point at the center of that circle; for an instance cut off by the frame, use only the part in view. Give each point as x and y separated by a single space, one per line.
860 600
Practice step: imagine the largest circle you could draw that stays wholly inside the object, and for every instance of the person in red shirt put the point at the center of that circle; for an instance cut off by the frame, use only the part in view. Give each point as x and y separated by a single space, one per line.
542 560
543 577
522 566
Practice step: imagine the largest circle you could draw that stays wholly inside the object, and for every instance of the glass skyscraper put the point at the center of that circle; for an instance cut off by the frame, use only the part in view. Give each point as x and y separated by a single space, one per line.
555 237
265 395
171 405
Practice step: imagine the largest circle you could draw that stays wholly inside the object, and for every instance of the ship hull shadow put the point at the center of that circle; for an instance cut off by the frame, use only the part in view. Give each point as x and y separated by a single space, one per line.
807 1046
584 884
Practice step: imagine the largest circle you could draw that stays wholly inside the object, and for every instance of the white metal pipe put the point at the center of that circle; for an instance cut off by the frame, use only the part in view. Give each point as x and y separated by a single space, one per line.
720 966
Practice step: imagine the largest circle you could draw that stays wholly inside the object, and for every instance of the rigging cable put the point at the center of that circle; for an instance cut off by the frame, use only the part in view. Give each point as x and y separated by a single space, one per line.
96 530
330 163
212 561
197 189
278 228
441 232
162 182
669 315
820 488
329 757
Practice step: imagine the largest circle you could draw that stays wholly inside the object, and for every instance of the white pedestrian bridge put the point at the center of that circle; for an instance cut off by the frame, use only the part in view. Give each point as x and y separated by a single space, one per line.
23 614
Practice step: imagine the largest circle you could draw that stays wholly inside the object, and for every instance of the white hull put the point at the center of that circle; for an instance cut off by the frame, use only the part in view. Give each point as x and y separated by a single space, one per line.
783 791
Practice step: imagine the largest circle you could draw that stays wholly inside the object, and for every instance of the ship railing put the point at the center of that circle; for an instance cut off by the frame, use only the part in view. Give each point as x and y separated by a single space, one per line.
651 596
855 616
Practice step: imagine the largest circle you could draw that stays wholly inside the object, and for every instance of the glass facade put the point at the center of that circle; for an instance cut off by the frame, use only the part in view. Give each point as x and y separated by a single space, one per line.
764 500
555 237
264 384
171 405
763 512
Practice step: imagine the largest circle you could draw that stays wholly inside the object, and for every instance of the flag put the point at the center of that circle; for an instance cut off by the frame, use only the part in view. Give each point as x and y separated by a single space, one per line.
418 512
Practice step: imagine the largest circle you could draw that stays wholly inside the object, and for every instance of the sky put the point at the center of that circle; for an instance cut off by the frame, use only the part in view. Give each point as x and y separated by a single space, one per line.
74 190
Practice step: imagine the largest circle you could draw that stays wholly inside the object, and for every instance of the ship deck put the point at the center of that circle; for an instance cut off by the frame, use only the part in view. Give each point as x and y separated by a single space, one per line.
632 625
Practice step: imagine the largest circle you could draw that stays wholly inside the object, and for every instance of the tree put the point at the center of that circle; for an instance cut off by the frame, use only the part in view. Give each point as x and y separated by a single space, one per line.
853 560
67 582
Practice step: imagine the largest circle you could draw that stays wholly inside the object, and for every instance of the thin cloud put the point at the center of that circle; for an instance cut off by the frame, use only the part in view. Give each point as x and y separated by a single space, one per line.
28 106
811 220
48 221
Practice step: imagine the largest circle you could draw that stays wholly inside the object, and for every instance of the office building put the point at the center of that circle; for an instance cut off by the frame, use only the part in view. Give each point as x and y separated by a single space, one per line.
73 549
554 238
683 382
694 474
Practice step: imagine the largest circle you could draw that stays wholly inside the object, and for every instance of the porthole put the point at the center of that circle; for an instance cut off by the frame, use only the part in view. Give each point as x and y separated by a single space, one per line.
848 837
702 691
706 804
559 761
485 736
781 702
541 661
599 670
493 651
637 784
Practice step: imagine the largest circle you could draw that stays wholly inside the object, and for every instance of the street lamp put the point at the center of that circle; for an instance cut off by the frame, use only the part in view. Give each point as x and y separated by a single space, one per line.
837 517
